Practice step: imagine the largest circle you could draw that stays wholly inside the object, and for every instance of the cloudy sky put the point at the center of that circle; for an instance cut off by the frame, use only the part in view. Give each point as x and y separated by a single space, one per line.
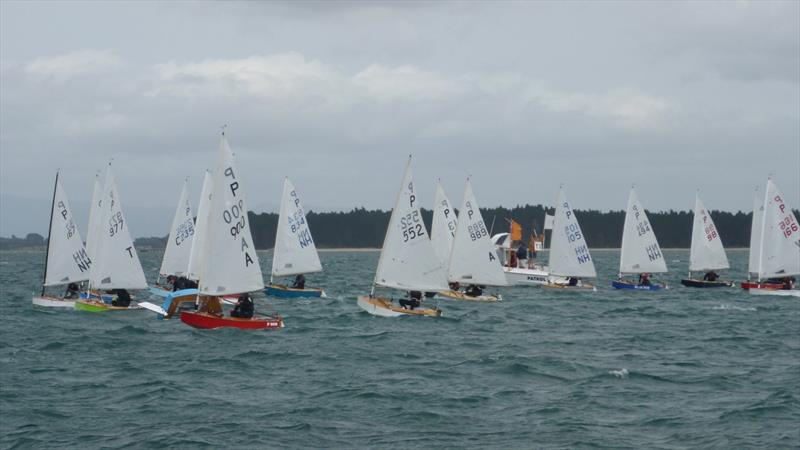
523 96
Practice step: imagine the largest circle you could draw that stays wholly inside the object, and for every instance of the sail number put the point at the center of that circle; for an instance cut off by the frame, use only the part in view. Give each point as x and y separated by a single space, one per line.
184 231
653 252
788 226
573 232
235 218
711 232
115 224
411 225
477 230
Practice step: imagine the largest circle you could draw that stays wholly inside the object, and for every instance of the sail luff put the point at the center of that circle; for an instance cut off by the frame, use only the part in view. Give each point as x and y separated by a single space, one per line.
49 233
755 236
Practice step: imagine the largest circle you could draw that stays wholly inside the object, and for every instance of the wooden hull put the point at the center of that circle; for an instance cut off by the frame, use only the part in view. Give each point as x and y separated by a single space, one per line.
47 301
383 307
623 284
756 285
776 292
689 282
98 306
458 295
207 321
281 291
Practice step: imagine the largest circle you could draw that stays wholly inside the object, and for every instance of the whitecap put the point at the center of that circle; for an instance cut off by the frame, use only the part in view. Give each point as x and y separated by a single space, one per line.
724 307
621 373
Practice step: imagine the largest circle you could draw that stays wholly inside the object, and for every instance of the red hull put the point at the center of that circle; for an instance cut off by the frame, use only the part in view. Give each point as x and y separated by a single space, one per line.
208 321
757 285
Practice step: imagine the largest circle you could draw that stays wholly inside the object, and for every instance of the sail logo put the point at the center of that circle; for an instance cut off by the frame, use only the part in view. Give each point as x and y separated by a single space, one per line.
582 253
653 252
82 260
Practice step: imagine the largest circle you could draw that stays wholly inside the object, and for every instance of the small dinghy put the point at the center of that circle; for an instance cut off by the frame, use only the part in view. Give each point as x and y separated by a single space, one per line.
473 261
173 303
66 261
228 263
640 253
295 252
115 263
407 261
778 246
707 253
570 260
179 244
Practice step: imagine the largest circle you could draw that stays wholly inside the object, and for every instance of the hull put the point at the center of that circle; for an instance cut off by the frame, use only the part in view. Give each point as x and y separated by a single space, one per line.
583 287
47 301
689 282
281 291
776 292
383 307
756 285
617 284
205 321
98 306
525 277
108 298
457 295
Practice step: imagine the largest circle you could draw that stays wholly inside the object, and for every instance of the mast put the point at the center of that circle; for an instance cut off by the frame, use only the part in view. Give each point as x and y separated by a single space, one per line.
49 232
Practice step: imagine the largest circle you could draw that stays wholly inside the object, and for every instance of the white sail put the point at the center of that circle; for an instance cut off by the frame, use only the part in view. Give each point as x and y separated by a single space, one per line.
67 260
229 260
181 236
473 259
93 228
443 227
755 234
780 237
407 259
707 252
198 243
640 251
569 253
116 264
295 251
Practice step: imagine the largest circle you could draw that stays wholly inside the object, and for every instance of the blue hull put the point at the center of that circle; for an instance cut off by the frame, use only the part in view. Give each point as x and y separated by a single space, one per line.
286 292
107 298
635 287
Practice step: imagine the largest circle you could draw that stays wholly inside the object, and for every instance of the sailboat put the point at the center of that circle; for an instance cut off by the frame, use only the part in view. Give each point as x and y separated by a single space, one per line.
443 226
408 261
755 248
779 249
707 253
228 262
179 243
295 252
66 260
473 259
115 263
640 253
570 260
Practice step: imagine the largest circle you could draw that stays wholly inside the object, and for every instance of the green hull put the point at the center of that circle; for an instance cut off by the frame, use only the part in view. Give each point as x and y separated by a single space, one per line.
91 307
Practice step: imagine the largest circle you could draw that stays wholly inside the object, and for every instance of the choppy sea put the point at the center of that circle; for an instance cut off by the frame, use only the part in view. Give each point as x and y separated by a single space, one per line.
541 369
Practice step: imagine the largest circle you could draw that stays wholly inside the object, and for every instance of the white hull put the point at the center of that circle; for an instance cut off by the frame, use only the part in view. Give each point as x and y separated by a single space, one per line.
376 310
526 277
53 302
778 292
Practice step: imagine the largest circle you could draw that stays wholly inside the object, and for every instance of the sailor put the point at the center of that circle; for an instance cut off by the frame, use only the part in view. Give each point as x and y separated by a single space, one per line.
454 286
172 279
299 282
473 290
710 276
644 279
73 291
244 307
181 283
572 281
522 256
413 301
123 299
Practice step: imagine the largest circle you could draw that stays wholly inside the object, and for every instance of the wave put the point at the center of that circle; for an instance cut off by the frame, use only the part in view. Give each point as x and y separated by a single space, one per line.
726 307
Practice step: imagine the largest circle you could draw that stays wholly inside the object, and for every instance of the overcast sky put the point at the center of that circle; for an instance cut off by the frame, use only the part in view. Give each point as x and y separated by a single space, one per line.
523 96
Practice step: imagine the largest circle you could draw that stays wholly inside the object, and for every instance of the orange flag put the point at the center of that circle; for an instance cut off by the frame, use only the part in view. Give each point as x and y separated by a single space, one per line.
516 231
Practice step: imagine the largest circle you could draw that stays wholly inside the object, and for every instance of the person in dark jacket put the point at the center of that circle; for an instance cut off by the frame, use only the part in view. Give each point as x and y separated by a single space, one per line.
522 256
710 276
414 300
644 279
73 291
123 299
182 283
473 290
299 282
244 308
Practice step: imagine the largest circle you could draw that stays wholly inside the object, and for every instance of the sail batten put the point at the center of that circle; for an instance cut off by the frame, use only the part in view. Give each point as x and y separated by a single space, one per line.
640 250
295 252
569 252
707 251
407 259
473 259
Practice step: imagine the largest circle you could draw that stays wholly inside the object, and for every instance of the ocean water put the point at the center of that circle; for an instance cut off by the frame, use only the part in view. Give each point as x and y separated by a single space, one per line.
542 369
